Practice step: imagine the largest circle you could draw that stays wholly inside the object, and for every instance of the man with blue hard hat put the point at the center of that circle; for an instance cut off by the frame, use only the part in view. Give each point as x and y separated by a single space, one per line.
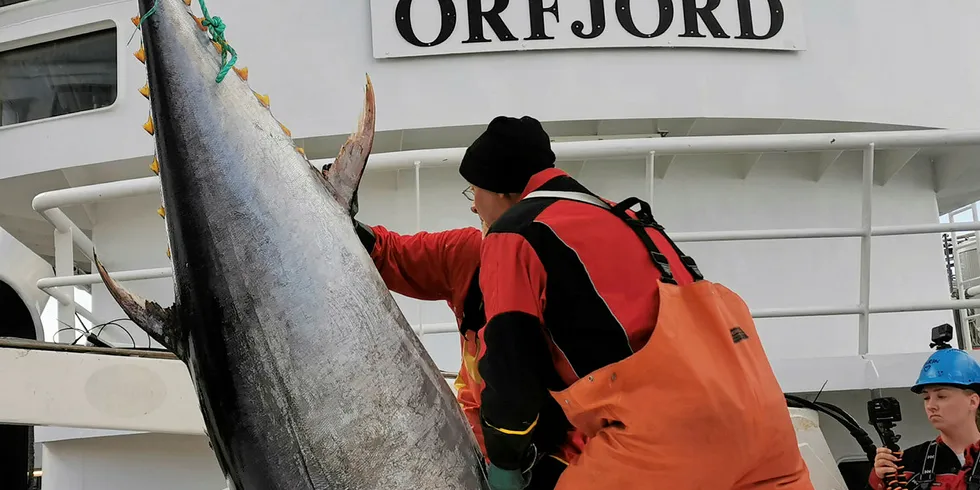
948 384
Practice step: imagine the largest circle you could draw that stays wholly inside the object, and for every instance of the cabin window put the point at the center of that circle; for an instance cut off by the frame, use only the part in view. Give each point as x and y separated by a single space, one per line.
4 3
64 76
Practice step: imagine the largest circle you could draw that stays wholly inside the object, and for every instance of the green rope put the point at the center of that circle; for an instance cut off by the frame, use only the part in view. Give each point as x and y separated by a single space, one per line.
217 30
142 20
216 27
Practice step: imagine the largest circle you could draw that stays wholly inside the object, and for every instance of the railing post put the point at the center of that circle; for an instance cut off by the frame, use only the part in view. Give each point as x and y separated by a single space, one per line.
966 325
651 175
64 265
956 282
418 228
867 185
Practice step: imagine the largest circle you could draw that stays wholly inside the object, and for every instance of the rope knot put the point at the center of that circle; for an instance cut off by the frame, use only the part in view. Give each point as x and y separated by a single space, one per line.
216 26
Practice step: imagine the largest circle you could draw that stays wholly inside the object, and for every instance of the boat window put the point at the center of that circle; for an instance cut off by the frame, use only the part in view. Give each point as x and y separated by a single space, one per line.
65 76
4 3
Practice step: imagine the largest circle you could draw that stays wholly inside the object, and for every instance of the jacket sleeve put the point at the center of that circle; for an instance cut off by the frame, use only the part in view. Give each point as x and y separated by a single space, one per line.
467 389
875 482
514 353
424 265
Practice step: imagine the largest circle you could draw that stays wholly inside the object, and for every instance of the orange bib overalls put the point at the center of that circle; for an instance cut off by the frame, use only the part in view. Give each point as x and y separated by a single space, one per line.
697 408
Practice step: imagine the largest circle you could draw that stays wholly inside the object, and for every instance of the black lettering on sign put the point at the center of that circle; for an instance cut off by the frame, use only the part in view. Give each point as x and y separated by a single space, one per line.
691 14
745 20
694 16
625 15
476 15
598 21
537 10
403 21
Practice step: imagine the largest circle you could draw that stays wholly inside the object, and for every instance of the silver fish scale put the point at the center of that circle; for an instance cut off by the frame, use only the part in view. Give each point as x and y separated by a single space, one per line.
308 374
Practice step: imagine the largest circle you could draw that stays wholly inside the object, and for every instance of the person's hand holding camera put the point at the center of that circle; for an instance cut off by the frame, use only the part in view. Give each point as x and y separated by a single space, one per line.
885 461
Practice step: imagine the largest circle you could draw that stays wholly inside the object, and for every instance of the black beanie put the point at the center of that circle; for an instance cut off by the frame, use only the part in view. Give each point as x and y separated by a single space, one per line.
507 154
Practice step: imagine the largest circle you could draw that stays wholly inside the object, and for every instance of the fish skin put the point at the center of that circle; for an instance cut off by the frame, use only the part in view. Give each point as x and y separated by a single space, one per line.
308 375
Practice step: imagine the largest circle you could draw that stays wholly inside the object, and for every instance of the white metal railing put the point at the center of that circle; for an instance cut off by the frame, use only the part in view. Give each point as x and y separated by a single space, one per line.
966 275
67 233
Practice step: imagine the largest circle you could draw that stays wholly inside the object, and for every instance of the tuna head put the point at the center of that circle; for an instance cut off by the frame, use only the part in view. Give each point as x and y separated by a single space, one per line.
307 373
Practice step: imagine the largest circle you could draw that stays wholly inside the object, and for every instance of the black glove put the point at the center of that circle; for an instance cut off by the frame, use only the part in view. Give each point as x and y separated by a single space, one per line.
366 234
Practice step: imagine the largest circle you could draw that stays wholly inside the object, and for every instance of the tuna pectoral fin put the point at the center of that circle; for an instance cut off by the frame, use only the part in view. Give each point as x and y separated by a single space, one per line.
344 175
159 322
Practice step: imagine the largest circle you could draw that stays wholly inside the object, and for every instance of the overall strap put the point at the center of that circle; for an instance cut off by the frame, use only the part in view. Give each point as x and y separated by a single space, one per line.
972 478
644 218
928 475
474 314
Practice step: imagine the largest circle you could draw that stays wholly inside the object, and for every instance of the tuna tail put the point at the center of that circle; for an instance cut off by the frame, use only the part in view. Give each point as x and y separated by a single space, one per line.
344 174
158 322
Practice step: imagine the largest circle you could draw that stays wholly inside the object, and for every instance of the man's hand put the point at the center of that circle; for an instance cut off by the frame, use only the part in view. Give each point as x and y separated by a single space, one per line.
501 479
885 461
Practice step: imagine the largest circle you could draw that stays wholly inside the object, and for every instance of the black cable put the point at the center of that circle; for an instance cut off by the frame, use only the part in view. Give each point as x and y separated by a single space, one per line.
893 481
149 340
857 432
87 333
847 421
106 324
84 333
840 411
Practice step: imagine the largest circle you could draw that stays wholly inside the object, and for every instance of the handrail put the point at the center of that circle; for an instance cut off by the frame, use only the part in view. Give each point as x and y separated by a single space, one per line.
48 203
695 145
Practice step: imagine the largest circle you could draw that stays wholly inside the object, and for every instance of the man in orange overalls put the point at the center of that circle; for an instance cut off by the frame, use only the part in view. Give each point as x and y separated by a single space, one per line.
444 266
662 370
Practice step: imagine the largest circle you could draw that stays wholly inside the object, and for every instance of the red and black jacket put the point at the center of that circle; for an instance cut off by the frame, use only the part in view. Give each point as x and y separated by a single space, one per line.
938 464
444 266
560 305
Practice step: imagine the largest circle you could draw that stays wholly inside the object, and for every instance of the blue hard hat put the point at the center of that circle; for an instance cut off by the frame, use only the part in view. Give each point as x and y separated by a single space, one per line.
953 367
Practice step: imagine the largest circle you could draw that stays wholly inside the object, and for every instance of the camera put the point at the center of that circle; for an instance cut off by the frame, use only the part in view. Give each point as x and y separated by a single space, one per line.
941 336
882 414
884 411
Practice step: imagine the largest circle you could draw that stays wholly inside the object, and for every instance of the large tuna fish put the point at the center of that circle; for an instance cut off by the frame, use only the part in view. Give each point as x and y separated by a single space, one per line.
307 373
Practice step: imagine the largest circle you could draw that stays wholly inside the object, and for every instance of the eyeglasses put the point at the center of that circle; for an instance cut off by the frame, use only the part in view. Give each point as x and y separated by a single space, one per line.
468 193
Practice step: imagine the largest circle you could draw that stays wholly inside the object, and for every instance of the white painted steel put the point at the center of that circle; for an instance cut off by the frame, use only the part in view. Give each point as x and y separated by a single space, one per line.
47 203
95 193
691 145
64 267
439 37
868 142
867 187
99 391
83 279
114 392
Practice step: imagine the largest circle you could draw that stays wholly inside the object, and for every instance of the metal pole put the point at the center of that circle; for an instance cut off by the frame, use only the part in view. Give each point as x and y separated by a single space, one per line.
967 325
651 165
961 290
82 279
418 228
690 145
64 266
867 185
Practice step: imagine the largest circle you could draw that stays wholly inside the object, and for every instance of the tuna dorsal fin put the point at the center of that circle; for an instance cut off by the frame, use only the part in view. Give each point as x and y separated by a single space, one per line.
159 322
344 175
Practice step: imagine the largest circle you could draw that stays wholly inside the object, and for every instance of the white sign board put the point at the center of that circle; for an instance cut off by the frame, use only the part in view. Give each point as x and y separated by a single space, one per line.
407 28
